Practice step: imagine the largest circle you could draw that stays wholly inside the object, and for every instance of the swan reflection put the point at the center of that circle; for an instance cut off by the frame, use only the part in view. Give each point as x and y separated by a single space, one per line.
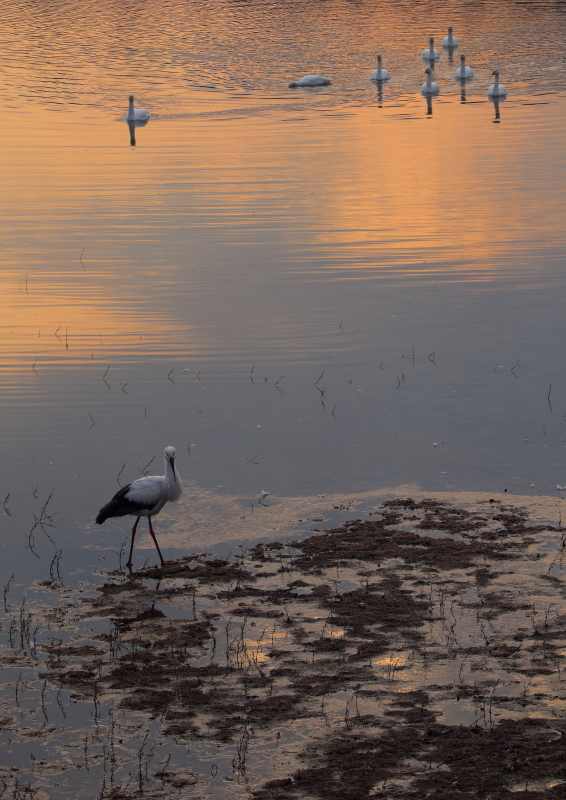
496 101
132 125
450 52
463 83
379 85
429 98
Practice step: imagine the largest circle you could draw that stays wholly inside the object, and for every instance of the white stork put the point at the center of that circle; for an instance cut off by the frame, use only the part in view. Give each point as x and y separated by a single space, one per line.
145 498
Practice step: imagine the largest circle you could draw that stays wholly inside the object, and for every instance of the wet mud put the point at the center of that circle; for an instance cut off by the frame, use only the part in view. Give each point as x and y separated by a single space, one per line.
415 652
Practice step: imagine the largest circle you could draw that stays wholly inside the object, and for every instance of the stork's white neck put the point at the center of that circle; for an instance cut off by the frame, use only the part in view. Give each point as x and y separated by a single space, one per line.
173 485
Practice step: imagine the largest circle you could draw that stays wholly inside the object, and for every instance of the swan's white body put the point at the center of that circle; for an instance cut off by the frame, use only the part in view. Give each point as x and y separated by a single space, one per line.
450 40
463 71
496 89
430 53
379 74
310 80
430 87
136 114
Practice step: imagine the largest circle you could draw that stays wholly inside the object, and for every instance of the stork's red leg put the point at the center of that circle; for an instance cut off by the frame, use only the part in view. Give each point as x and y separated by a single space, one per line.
163 563
129 563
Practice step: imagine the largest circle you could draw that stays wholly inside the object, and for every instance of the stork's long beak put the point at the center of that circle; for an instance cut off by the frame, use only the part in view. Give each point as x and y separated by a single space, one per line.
172 462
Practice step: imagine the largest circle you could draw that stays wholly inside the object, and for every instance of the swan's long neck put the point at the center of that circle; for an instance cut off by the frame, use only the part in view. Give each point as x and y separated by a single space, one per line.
379 66
496 81
429 81
450 37
131 108
431 46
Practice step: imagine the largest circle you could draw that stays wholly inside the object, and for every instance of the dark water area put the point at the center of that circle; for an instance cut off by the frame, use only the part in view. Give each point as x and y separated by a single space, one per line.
319 293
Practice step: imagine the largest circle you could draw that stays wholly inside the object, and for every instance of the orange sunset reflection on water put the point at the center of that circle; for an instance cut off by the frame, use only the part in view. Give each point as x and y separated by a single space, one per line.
100 231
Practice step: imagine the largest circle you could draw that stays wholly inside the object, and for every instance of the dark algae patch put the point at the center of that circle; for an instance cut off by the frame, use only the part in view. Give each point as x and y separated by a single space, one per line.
416 652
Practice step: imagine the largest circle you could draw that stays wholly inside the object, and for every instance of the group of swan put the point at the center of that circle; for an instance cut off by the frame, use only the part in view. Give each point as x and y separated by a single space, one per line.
449 42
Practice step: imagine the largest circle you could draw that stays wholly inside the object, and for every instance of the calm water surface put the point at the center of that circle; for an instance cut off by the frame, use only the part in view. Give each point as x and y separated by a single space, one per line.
305 291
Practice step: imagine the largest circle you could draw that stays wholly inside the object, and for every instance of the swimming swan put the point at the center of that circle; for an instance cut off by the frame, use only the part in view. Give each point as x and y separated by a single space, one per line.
430 87
379 74
136 114
496 89
450 41
463 71
310 80
430 53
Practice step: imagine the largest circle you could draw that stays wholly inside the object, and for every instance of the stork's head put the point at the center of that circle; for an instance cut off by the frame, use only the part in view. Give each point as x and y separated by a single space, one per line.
170 457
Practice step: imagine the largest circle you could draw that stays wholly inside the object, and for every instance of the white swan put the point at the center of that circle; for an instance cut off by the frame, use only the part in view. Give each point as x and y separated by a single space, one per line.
136 114
310 80
430 53
379 74
463 71
496 89
450 40
430 87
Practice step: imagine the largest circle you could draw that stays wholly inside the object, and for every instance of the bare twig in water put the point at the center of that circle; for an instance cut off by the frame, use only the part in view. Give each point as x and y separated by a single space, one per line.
276 384
147 466
341 321
124 389
518 364
45 520
411 357
54 568
322 391
7 588
251 374
333 414
81 257
252 460
121 471
104 376
431 358
548 397
66 339
33 365
57 332
6 509
169 378
93 422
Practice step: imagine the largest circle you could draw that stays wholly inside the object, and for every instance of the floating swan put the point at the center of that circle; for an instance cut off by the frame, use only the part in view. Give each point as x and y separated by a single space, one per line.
379 74
450 41
136 114
430 53
430 87
463 71
496 89
310 80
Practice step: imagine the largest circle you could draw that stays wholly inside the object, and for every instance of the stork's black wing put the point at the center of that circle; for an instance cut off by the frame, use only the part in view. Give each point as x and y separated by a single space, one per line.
120 506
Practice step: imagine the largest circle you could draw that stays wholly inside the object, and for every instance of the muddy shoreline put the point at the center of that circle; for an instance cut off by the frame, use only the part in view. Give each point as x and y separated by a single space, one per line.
416 652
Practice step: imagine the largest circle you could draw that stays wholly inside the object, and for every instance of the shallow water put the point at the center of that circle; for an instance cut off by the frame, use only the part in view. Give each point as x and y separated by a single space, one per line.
311 292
